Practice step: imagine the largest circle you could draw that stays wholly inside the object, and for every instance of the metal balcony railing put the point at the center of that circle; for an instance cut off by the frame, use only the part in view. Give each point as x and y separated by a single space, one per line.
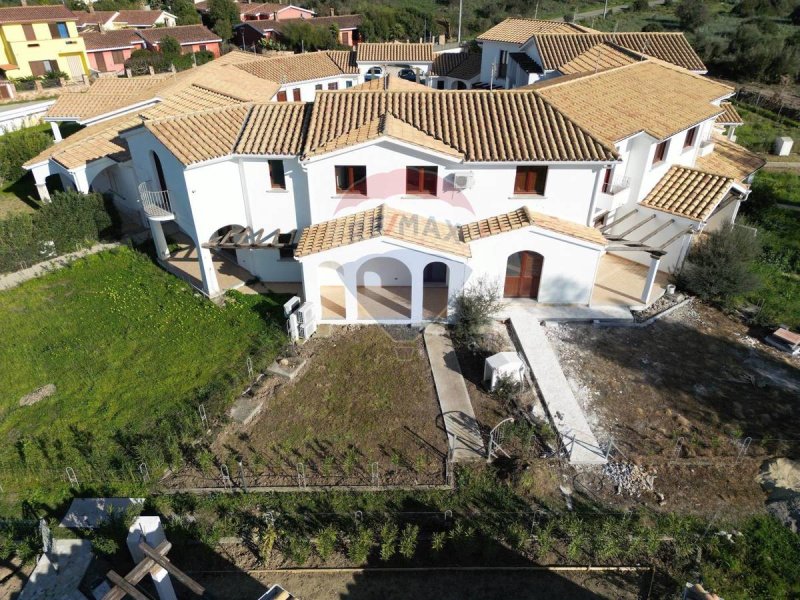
616 186
156 204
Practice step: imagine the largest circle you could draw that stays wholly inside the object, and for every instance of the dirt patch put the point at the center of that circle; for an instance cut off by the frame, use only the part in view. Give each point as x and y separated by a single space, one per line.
364 404
679 399
13 577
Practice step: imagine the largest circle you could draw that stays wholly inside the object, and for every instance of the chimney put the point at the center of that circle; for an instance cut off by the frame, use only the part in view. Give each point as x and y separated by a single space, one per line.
333 12
275 16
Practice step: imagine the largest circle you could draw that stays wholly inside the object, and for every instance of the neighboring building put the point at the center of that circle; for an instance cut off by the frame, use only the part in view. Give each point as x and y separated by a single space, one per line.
36 40
390 57
518 52
108 50
109 20
192 38
249 34
386 199
254 11
456 70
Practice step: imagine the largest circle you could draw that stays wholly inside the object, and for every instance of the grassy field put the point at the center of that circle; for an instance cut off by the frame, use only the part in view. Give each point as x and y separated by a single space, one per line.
131 351
761 127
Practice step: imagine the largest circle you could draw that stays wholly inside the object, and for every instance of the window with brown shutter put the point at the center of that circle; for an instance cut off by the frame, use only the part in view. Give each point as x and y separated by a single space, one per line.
296 94
333 86
40 68
530 180
421 180
100 59
661 152
282 96
30 34
691 135
118 57
277 177
351 179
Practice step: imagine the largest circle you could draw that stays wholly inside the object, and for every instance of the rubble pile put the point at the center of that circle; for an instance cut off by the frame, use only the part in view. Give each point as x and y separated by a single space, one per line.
629 478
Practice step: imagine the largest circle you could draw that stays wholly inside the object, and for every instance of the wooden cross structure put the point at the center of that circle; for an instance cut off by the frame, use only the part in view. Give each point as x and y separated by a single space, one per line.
245 237
154 559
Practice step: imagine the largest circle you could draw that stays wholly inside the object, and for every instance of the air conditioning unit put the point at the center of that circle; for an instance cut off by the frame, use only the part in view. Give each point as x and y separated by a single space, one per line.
306 330
306 313
462 181
291 306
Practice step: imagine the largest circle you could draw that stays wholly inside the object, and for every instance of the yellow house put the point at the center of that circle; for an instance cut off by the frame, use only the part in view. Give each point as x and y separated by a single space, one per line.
35 40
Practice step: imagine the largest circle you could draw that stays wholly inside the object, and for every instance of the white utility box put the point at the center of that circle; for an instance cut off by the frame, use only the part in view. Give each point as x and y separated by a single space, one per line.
502 365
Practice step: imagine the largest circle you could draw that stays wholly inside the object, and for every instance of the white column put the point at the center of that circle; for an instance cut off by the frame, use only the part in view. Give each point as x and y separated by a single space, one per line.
417 291
655 259
350 292
207 272
456 276
44 193
160 241
56 131
150 531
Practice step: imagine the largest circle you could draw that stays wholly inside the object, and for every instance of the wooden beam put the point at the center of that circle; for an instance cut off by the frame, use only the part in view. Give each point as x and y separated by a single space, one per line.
138 572
620 220
164 562
126 587
657 230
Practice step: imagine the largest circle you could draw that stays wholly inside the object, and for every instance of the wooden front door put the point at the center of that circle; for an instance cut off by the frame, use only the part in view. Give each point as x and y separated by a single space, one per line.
523 273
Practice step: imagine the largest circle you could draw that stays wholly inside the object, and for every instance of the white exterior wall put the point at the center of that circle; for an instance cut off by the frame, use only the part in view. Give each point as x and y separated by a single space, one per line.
490 55
308 88
421 67
568 191
568 270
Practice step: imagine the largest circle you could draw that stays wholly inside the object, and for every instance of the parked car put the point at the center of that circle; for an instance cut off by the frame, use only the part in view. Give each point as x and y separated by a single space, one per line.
374 73
407 74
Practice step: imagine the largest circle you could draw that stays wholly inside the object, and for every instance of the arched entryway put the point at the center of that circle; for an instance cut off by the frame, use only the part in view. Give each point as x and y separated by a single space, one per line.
330 275
436 281
459 85
384 289
523 275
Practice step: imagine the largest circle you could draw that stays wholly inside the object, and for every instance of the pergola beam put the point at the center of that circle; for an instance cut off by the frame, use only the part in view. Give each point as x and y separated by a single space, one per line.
622 235
124 587
137 573
675 237
165 563
657 230
620 220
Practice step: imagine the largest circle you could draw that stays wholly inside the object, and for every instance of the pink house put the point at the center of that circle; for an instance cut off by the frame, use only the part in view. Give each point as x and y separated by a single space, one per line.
192 38
264 11
108 51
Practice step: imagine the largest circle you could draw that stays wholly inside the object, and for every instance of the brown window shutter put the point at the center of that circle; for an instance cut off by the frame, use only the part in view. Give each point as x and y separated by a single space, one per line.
296 94
53 30
30 34
282 96
520 180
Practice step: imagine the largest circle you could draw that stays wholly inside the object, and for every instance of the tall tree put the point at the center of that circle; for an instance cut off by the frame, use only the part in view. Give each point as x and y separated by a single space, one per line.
223 15
185 11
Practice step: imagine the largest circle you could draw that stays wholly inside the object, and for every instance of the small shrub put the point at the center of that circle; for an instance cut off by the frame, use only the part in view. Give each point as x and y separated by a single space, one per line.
408 541
719 267
267 542
298 549
640 5
325 543
517 536
361 546
507 391
544 539
105 545
388 536
18 147
475 307
438 541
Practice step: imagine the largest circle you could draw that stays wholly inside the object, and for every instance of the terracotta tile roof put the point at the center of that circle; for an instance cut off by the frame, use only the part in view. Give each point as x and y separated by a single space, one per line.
388 82
209 86
98 17
523 217
557 50
519 31
36 14
302 67
689 193
651 96
105 95
600 57
341 21
388 126
382 221
730 159
394 52
138 18
108 40
185 34
730 116
461 65
481 125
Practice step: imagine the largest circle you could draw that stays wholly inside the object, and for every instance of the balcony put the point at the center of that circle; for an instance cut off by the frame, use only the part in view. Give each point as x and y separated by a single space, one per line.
616 186
156 204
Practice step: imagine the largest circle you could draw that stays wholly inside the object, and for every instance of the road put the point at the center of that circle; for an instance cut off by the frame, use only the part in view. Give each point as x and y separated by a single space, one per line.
611 10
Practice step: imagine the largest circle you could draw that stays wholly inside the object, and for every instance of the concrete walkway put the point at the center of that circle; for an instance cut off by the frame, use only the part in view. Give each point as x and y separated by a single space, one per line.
459 418
564 409
564 313
60 574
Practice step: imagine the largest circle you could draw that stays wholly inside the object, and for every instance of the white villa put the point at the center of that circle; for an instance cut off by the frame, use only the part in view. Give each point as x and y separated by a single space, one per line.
584 185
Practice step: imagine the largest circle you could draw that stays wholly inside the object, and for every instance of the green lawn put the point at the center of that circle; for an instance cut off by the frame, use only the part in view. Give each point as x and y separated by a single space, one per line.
761 127
132 351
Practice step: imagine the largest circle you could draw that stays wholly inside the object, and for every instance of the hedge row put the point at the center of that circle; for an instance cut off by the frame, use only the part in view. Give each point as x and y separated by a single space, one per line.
71 221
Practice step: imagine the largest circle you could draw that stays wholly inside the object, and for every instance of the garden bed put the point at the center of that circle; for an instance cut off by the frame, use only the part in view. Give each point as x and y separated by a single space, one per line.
362 412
